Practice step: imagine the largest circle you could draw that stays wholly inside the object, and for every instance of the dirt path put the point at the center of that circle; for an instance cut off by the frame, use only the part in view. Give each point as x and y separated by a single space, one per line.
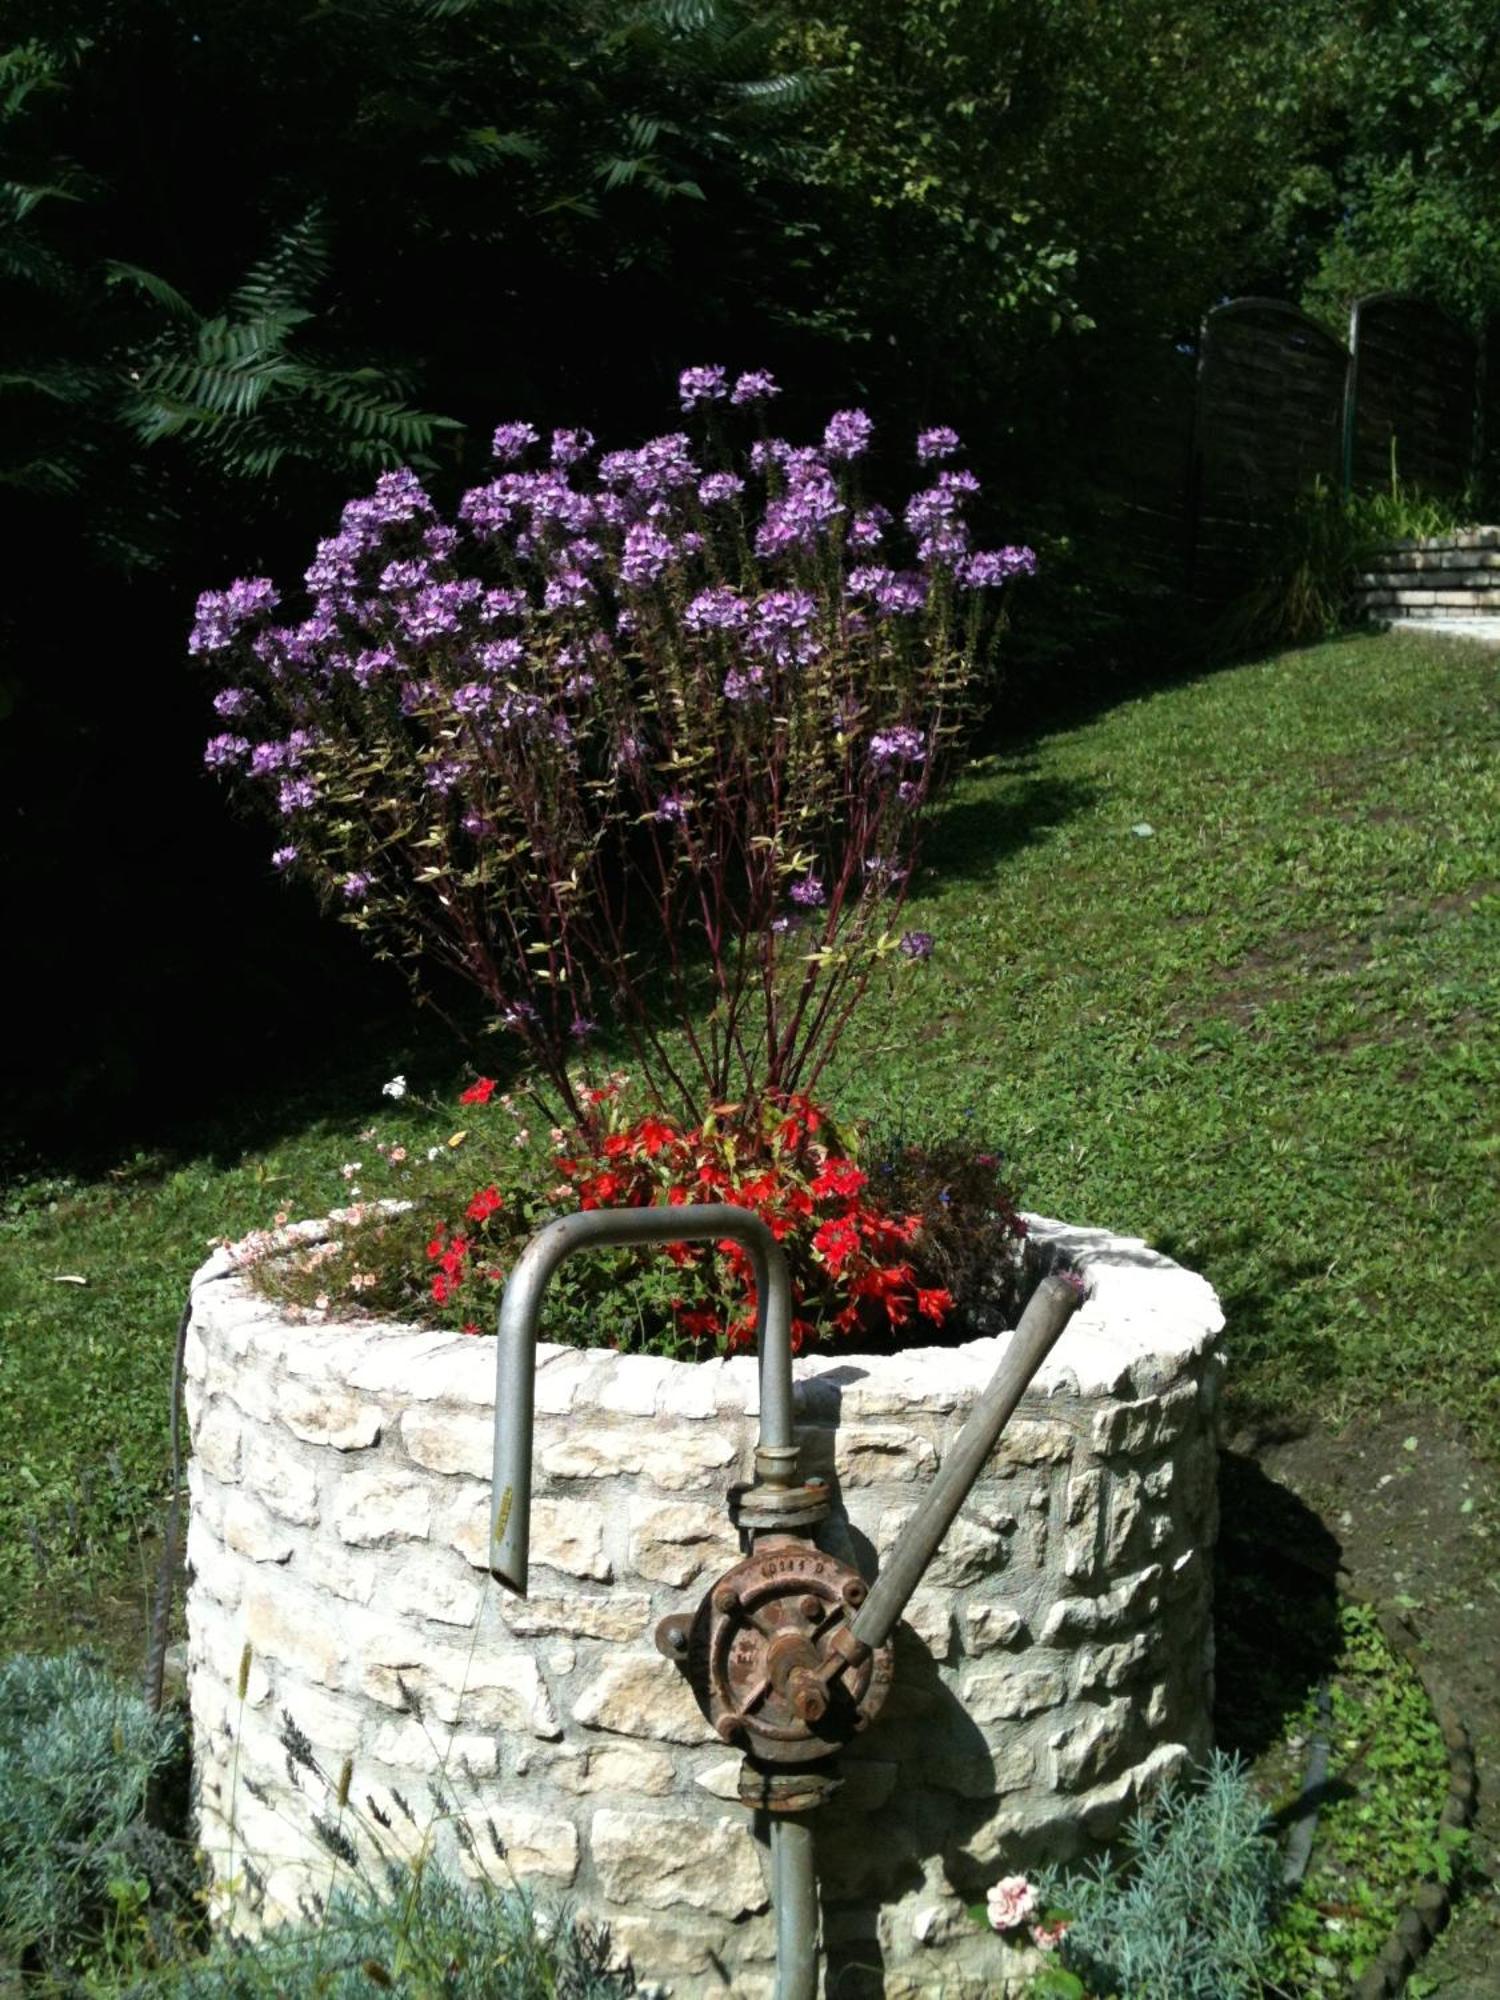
1415 1516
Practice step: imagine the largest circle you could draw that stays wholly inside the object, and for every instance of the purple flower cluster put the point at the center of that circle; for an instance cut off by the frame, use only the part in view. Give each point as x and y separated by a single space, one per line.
933 517
646 553
848 434
867 530
719 488
570 447
222 753
717 610
696 386
987 568
897 593
657 470
889 747
807 509
586 619
295 795
939 442
783 628
512 441
221 613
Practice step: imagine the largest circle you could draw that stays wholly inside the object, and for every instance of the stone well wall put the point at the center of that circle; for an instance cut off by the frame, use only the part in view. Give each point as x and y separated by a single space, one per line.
1055 1662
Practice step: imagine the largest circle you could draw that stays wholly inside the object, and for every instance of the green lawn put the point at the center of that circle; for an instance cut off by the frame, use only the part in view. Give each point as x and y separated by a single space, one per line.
1261 1033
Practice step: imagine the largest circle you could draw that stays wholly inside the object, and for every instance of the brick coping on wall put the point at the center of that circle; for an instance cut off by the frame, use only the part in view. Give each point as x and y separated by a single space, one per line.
1054 1664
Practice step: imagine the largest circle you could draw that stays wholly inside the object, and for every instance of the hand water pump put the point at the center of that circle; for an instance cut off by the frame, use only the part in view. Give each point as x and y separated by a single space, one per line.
789 1652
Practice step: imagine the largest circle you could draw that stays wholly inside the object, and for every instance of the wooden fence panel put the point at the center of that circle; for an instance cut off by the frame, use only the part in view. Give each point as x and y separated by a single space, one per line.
1413 384
1271 386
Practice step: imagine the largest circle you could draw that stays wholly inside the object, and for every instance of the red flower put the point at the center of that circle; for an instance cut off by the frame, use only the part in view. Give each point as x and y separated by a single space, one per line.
617 1145
698 1325
440 1289
840 1177
478 1093
436 1246
484 1203
470 1326
654 1133
935 1304
836 1242
602 1191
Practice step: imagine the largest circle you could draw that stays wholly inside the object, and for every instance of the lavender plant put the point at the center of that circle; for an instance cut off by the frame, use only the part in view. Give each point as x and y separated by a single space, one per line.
647 735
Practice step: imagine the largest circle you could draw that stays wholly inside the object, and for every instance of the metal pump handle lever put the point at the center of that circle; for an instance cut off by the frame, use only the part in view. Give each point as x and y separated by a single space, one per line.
520 1315
1051 1306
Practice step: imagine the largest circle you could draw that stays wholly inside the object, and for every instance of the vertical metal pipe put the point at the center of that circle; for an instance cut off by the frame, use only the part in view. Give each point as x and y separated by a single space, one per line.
520 1316
794 1896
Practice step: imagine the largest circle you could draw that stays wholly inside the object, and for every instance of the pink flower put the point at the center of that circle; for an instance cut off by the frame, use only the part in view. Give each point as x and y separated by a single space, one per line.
1047 1937
1010 1902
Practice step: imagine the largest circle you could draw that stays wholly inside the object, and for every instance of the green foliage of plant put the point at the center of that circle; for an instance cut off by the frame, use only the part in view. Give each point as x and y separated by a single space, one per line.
1379 1832
1305 593
77 1754
1183 1909
420 1934
1393 181
261 239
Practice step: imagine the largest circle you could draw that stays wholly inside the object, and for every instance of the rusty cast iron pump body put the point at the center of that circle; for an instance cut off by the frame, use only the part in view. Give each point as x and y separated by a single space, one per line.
769 1657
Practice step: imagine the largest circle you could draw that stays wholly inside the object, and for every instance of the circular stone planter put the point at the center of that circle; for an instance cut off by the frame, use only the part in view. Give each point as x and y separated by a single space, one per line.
343 1630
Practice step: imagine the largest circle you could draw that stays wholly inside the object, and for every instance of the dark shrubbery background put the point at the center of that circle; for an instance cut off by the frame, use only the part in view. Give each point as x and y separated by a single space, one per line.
251 254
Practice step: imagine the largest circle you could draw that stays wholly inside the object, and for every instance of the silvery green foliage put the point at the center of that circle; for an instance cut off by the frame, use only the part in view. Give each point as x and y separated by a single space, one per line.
77 1753
1182 1912
422 1934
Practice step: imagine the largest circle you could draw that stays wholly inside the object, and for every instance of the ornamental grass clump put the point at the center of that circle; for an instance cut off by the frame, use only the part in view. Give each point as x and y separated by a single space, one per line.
642 737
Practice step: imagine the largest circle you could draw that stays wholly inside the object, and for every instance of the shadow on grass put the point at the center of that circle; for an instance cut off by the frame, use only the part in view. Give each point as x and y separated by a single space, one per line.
1276 1616
972 837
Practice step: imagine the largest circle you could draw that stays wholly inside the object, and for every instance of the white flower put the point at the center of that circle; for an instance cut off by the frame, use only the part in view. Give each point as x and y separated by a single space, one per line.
395 1088
433 1151
350 1168
1010 1902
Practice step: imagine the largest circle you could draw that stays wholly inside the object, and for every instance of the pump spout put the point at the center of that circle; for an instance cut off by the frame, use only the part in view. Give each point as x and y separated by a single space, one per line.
520 1317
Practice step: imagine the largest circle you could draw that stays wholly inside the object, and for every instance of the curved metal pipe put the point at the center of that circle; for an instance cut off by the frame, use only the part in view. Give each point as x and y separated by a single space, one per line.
520 1315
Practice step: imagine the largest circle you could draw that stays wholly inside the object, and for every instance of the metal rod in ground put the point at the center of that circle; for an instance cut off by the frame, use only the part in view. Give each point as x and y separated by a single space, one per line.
794 1895
1052 1305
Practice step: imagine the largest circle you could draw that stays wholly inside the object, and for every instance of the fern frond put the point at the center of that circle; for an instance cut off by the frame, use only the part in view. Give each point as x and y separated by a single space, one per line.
296 265
154 287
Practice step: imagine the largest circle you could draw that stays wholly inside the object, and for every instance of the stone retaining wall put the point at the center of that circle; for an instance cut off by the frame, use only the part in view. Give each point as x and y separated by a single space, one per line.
1055 1662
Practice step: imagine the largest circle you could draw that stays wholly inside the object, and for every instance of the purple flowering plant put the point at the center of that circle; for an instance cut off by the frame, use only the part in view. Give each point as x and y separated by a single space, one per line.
637 726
